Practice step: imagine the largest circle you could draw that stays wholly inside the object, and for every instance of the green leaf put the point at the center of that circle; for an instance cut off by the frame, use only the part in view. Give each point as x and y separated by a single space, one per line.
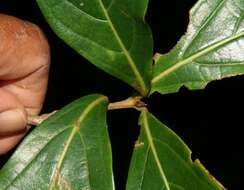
161 160
111 34
70 150
212 48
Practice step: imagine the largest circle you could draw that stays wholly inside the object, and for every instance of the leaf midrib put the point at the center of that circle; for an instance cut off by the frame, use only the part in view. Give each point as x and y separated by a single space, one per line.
184 162
154 151
151 143
75 130
204 24
31 161
37 153
125 51
196 56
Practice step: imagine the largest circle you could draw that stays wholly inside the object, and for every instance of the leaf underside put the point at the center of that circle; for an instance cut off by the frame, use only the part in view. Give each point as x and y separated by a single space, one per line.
65 152
111 34
212 48
161 160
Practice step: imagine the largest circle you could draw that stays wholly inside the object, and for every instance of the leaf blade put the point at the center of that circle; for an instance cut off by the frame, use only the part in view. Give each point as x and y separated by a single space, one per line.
110 34
162 161
65 151
211 49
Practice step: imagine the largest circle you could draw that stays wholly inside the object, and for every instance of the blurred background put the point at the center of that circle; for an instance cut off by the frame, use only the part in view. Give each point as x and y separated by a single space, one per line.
210 121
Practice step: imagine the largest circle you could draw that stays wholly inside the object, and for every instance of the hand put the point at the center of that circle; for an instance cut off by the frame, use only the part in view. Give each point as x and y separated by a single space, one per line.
24 66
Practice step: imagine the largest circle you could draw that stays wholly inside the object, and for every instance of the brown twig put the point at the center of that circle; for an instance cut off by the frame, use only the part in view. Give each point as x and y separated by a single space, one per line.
132 102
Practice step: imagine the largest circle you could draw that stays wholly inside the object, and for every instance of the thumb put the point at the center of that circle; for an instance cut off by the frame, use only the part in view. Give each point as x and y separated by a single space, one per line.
12 121
13 117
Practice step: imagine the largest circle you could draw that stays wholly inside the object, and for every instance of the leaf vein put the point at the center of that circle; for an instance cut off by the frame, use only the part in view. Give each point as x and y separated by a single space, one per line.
144 168
88 172
215 11
85 13
154 151
196 55
39 152
74 131
125 51
182 160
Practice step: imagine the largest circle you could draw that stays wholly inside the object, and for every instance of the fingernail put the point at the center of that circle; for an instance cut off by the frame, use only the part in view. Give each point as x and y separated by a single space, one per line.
12 121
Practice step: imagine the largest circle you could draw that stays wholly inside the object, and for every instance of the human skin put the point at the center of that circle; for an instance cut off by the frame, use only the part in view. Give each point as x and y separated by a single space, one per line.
24 66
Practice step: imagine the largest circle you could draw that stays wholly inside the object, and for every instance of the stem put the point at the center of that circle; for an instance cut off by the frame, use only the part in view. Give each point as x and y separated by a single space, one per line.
131 102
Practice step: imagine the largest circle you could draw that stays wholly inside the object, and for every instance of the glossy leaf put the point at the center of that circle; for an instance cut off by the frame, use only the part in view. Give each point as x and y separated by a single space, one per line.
161 160
213 48
111 34
70 150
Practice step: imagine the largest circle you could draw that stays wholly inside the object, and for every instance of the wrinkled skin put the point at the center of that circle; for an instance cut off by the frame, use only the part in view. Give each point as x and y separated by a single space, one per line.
24 66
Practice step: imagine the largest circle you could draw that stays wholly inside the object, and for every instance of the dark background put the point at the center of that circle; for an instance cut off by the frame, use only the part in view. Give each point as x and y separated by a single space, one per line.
209 121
